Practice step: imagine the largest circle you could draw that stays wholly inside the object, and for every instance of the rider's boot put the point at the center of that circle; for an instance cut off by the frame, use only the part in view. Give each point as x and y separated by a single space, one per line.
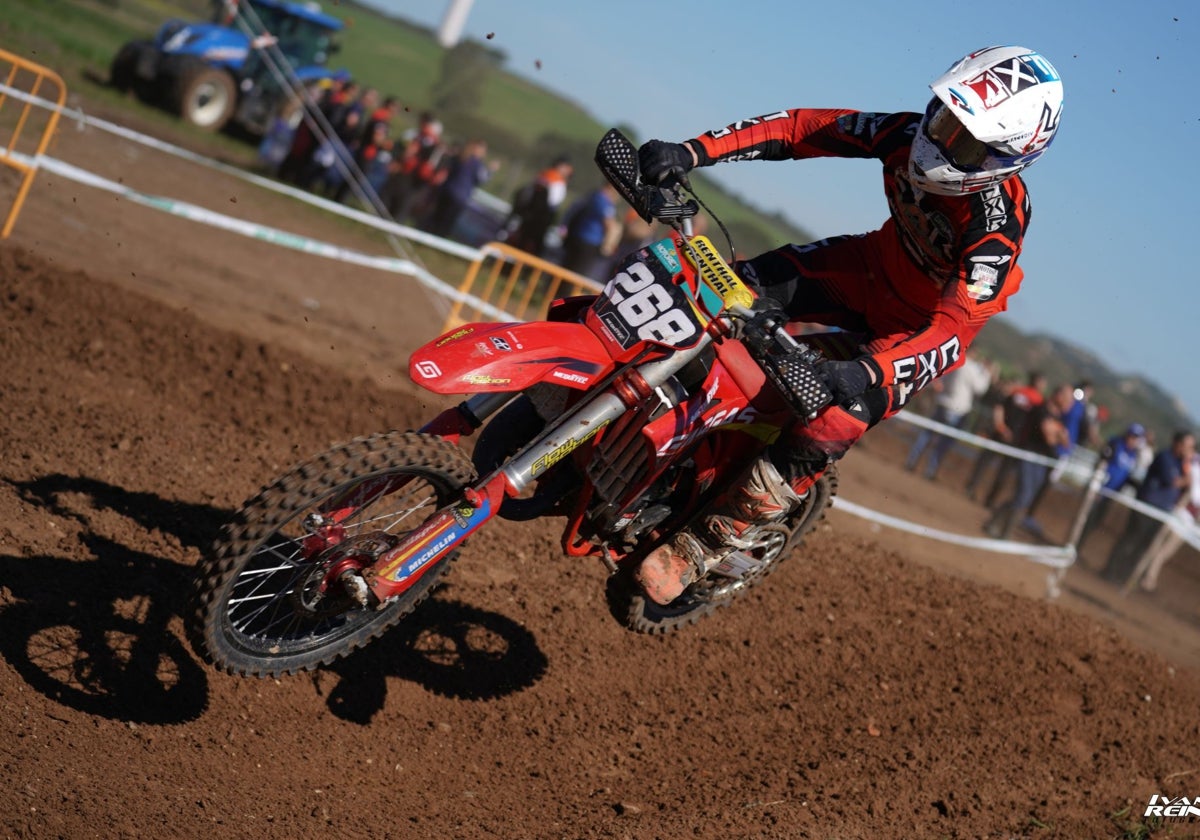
761 495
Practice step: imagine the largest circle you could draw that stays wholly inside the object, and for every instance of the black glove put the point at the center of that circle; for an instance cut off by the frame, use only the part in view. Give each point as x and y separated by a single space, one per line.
657 159
846 380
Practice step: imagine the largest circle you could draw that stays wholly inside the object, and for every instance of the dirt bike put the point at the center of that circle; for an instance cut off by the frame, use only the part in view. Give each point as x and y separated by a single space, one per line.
628 413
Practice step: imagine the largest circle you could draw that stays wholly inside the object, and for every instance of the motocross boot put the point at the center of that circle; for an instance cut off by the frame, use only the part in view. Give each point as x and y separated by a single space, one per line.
760 496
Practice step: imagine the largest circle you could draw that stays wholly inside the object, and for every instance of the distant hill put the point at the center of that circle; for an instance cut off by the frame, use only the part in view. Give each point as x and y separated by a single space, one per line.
1128 397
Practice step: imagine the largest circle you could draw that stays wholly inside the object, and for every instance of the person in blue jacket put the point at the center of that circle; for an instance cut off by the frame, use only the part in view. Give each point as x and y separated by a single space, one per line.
1162 487
1120 456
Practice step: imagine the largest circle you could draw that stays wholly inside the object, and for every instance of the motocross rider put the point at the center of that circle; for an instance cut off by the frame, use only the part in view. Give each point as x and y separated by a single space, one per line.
919 288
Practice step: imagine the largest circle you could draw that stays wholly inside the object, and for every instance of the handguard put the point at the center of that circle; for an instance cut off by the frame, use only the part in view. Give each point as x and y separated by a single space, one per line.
789 364
617 159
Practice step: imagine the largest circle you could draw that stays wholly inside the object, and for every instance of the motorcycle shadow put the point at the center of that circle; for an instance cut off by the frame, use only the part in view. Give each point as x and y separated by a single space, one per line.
448 647
102 632
96 627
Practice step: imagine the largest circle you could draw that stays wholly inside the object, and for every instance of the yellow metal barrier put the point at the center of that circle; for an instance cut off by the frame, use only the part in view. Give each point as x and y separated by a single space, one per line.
37 81
515 282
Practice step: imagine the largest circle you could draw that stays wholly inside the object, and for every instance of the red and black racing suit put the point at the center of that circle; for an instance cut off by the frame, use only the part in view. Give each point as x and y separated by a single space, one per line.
920 288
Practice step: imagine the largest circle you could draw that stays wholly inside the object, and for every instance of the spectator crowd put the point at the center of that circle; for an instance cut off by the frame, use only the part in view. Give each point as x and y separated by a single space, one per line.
421 178
1051 424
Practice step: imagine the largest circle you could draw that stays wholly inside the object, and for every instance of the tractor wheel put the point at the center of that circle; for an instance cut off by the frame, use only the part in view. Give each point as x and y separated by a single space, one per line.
205 96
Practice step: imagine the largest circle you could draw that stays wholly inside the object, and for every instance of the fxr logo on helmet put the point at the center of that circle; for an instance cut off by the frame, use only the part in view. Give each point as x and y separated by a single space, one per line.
1000 81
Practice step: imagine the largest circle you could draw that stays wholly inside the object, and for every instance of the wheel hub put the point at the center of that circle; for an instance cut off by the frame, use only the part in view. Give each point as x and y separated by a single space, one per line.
326 588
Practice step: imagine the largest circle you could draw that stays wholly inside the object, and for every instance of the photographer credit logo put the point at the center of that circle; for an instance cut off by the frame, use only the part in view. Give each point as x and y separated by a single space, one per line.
1166 806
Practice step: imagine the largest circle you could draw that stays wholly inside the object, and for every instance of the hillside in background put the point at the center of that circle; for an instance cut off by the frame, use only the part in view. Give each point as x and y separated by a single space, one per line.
525 126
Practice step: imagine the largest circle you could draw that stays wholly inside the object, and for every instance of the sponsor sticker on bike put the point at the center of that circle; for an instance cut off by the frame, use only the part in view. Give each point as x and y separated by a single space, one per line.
664 249
717 274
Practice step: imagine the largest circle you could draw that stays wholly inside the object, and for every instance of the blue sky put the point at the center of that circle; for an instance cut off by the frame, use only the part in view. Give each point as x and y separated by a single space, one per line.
1114 198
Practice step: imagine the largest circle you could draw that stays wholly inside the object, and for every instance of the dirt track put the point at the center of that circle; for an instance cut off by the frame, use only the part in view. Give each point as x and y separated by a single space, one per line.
157 372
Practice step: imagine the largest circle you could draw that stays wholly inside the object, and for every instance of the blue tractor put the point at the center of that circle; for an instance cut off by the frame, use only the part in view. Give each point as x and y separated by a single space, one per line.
213 74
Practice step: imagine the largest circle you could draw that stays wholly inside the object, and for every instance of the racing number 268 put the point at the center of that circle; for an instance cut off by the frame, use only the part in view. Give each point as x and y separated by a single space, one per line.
648 307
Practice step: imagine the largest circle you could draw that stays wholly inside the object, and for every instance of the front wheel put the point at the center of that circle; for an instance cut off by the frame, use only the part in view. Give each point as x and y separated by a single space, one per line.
631 607
265 601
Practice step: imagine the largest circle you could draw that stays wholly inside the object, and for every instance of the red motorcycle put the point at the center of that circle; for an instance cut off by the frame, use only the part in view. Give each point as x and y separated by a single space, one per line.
628 413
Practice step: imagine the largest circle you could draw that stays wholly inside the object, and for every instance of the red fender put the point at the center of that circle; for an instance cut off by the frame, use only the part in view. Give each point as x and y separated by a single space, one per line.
477 358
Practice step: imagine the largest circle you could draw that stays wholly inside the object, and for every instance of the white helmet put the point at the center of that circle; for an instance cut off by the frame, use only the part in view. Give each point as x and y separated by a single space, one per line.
992 114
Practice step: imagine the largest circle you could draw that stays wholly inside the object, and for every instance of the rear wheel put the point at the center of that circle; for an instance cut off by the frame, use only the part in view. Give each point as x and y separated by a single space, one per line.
204 96
268 599
631 607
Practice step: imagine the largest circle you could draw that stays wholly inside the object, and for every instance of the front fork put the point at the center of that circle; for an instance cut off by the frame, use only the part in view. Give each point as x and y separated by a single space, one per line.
402 566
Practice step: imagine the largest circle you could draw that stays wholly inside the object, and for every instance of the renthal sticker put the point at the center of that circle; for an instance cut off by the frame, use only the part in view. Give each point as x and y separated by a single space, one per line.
484 379
563 450
740 124
516 342
455 336
570 377
428 370
718 275
501 345
924 367
982 283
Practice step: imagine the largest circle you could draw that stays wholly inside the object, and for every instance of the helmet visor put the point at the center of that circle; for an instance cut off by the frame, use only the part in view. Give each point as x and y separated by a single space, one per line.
958 145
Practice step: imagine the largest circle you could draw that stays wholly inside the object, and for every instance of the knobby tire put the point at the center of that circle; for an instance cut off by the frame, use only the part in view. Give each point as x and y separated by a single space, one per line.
258 556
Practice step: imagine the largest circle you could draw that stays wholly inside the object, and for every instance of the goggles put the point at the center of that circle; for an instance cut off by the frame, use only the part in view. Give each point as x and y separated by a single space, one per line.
957 144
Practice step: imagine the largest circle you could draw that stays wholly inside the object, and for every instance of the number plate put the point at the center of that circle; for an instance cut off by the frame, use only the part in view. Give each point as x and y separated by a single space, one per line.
642 303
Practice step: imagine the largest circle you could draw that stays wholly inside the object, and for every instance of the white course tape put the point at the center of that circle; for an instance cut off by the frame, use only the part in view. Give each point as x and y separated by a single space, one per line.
984 443
1186 530
385 225
265 233
1058 557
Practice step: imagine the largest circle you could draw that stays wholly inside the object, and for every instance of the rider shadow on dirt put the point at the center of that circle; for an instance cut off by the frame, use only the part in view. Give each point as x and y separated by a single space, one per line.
95 635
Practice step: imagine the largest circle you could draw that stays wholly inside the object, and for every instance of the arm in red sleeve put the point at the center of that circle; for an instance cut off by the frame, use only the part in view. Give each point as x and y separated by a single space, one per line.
803 133
916 360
